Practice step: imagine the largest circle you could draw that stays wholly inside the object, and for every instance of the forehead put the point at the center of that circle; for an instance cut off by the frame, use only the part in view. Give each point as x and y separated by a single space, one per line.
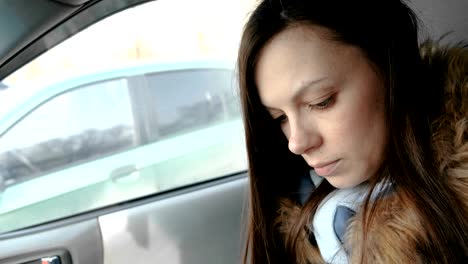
298 55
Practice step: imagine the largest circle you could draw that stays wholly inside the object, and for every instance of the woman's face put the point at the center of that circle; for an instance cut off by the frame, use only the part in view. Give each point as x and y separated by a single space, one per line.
329 102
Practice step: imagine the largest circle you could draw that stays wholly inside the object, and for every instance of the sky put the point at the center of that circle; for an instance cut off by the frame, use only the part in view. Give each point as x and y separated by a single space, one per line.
154 32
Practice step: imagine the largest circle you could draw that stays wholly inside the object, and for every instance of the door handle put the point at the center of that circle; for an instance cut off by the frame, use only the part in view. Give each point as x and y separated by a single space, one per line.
123 171
47 260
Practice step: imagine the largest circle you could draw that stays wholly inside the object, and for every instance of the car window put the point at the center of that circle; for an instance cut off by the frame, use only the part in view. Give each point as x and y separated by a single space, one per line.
138 104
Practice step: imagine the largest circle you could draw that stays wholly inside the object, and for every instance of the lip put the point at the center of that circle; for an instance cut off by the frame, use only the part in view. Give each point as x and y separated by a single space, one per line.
326 168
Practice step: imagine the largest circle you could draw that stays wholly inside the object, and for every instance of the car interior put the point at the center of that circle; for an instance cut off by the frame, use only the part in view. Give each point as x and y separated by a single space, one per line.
176 189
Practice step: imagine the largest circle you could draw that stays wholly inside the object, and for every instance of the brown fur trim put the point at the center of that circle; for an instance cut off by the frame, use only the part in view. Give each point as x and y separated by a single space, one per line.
392 236
450 130
288 215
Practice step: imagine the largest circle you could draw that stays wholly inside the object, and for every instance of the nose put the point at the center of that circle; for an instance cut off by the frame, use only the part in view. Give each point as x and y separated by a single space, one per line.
302 137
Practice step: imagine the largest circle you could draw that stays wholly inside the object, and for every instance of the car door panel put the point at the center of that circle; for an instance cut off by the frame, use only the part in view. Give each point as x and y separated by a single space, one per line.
198 224
198 227
78 243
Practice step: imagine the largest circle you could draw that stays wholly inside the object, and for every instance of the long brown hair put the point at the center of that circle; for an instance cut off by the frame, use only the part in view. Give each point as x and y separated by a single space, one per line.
387 33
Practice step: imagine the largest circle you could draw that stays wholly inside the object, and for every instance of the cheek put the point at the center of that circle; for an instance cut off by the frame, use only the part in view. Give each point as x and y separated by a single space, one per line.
361 125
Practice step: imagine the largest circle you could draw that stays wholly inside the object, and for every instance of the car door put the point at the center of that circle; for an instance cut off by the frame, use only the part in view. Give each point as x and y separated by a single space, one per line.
122 142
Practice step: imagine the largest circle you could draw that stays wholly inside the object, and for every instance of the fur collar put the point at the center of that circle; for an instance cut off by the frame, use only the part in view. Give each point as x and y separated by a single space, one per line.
450 130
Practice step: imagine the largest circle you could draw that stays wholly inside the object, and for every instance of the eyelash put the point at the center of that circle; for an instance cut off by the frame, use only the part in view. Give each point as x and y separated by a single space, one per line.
320 106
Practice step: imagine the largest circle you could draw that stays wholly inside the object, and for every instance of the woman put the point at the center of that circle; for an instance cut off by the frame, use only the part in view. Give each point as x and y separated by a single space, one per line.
343 91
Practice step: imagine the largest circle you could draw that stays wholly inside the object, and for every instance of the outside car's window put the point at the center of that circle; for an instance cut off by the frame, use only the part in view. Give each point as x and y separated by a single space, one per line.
80 125
208 99
139 103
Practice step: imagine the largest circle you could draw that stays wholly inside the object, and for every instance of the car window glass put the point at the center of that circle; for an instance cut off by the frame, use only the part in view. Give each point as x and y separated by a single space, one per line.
137 104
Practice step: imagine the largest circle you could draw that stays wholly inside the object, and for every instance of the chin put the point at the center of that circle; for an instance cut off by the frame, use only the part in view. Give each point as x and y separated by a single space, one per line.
341 183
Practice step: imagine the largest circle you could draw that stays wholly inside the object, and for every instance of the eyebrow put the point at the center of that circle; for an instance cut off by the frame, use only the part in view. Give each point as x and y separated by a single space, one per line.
306 85
301 90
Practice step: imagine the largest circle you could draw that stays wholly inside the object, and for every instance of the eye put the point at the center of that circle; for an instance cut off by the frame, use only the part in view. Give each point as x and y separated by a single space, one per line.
322 105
